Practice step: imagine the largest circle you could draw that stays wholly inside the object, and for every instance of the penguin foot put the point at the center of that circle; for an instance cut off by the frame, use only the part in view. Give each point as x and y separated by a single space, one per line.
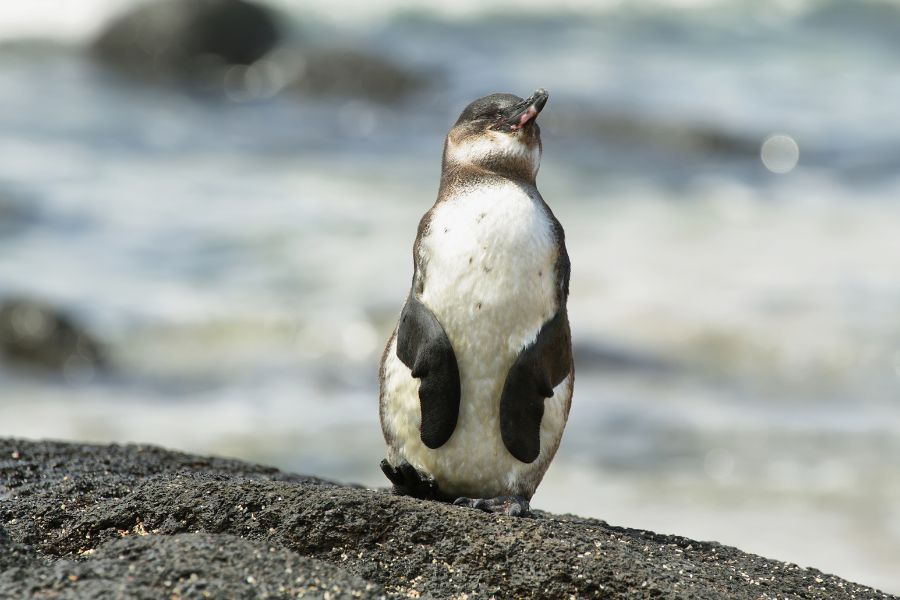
410 482
513 506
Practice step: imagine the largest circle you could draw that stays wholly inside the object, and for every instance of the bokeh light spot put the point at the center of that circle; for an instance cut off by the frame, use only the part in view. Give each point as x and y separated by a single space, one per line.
780 153
263 79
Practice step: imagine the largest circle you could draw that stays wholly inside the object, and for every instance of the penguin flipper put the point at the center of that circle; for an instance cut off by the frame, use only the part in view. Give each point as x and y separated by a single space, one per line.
540 367
423 346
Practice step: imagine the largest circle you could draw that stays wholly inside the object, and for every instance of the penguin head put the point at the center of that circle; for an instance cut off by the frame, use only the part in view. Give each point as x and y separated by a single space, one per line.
498 133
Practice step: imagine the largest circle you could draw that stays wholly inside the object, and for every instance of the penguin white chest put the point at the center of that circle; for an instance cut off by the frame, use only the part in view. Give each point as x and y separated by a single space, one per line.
489 259
489 277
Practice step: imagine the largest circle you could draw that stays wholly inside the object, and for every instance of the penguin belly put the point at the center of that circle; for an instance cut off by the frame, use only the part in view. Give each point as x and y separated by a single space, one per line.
489 260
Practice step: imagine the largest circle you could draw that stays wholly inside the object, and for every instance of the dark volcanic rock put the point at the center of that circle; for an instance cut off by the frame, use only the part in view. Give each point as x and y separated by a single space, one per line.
194 42
14 555
598 355
37 335
79 515
695 138
186 38
349 72
190 565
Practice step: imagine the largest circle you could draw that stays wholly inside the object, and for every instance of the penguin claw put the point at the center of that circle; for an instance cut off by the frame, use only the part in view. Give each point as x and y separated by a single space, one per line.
512 506
391 473
410 482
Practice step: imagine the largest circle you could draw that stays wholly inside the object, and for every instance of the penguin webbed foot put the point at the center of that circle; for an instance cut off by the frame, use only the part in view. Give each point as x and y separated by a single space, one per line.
512 506
410 482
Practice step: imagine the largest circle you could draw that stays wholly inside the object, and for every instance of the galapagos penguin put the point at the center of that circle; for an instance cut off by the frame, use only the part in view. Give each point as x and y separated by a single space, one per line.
476 380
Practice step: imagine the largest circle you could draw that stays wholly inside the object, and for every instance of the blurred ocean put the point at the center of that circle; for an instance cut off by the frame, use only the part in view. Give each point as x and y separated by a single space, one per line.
737 329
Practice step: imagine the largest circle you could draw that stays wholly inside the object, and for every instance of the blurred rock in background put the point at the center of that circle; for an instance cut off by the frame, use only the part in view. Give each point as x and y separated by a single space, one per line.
34 335
355 73
246 50
187 39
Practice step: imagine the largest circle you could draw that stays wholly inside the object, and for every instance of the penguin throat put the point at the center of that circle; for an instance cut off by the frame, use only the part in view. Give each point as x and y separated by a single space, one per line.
497 152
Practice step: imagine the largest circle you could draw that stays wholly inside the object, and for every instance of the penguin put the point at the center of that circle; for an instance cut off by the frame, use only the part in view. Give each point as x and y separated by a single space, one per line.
476 380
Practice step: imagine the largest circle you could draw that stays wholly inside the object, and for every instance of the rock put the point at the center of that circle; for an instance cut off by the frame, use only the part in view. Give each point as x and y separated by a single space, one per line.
609 356
691 137
189 565
13 555
199 42
354 73
85 519
188 39
37 335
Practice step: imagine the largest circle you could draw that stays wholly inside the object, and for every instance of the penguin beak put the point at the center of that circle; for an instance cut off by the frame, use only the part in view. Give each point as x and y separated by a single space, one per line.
527 111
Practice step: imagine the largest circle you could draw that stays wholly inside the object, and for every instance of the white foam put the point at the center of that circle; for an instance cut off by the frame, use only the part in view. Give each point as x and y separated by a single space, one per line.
756 283
67 20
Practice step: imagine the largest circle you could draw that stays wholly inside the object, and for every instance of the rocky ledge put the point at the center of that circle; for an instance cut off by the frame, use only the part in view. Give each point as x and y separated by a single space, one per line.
80 521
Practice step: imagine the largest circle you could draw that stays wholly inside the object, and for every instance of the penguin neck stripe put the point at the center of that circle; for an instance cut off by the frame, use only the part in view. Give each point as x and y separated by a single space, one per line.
494 152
